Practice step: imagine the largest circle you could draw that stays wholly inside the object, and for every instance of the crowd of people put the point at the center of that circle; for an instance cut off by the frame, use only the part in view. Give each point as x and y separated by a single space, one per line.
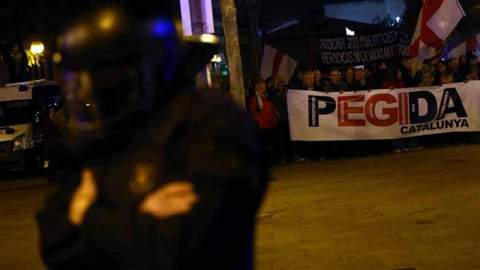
267 103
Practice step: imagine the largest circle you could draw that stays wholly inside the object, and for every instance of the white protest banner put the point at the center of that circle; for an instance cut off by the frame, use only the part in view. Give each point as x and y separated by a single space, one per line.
384 114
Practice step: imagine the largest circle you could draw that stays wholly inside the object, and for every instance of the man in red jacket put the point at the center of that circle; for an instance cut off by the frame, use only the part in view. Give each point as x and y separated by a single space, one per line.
265 114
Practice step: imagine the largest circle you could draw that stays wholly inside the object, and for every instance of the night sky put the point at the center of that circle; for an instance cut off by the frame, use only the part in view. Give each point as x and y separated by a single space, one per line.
274 10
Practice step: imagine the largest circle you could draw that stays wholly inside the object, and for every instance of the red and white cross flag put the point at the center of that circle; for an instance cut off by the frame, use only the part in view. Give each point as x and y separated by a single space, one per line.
468 45
276 63
437 20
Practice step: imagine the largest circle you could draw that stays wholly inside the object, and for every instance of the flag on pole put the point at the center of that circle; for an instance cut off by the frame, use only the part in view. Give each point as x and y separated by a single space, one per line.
467 45
438 55
276 63
436 21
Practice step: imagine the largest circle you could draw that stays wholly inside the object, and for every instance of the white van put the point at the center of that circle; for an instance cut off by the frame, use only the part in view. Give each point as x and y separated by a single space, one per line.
22 109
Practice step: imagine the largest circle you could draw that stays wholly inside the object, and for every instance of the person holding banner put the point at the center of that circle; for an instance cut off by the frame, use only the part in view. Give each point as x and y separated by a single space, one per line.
349 78
393 79
472 73
453 67
318 79
472 66
407 75
335 84
285 149
422 76
361 82
427 80
442 76
379 75
309 81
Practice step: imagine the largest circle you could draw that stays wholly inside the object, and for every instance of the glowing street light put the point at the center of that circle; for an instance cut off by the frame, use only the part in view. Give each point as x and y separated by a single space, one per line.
57 57
208 38
37 47
216 59
35 58
107 20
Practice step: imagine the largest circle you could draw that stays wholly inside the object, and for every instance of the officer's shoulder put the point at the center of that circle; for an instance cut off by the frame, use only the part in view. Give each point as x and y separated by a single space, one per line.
206 110
214 103
213 97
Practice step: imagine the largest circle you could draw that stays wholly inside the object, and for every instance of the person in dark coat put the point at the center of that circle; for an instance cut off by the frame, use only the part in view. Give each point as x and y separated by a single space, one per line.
270 83
405 68
285 148
361 81
379 75
318 79
423 75
441 75
51 139
165 176
335 84
296 82
453 69
309 82
464 65
350 78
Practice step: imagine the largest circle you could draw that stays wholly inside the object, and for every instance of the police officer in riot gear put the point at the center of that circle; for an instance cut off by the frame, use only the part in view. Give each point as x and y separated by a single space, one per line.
164 177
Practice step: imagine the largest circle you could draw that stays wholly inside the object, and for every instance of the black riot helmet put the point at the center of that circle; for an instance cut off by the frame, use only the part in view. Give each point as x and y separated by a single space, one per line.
121 63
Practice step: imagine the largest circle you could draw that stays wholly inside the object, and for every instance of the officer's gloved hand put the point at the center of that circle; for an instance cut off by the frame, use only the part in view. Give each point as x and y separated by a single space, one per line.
172 199
169 200
83 197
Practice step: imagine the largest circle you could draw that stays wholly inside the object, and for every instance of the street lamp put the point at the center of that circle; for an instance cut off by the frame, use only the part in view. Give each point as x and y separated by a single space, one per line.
37 47
216 59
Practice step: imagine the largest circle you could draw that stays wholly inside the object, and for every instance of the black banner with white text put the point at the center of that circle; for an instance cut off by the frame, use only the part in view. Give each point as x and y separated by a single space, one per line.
361 49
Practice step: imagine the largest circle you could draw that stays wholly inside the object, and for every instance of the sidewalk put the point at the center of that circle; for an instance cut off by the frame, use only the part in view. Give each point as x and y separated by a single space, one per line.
409 211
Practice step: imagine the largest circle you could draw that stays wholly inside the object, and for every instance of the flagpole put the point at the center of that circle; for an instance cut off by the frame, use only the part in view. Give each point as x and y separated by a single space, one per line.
469 25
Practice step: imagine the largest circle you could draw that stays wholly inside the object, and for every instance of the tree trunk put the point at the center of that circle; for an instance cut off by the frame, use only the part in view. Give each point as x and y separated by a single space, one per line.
229 18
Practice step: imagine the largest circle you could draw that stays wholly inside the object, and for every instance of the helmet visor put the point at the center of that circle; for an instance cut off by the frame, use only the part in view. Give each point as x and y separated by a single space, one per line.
99 98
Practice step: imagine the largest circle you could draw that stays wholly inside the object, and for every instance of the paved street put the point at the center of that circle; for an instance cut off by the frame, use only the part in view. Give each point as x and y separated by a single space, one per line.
20 196
415 210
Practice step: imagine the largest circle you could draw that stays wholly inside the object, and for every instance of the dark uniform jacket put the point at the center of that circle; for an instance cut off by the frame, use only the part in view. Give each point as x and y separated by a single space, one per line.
407 77
457 75
368 85
201 137
315 88
332 87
